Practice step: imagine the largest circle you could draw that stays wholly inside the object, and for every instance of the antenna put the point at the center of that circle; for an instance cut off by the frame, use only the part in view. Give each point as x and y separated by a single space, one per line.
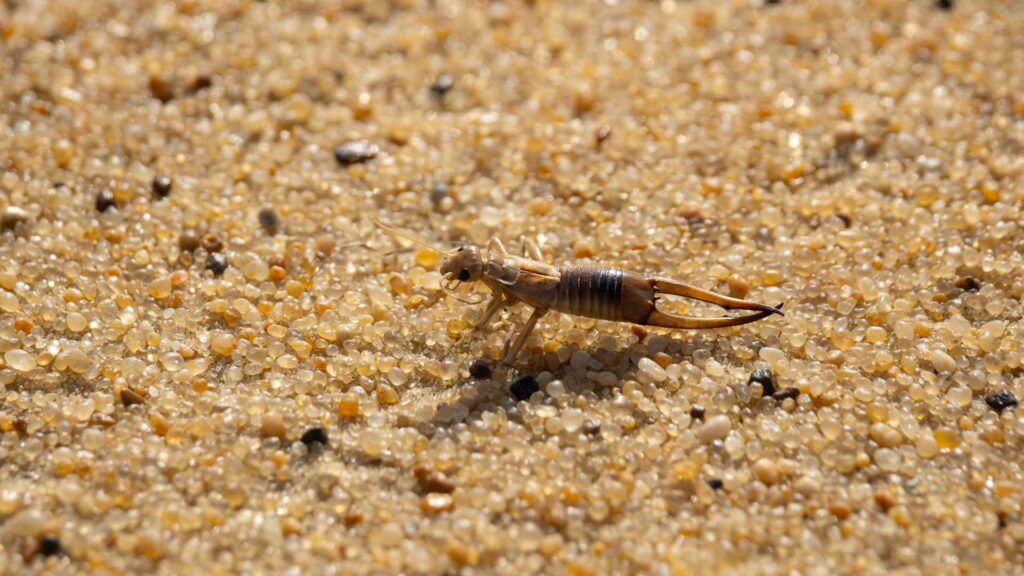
405 235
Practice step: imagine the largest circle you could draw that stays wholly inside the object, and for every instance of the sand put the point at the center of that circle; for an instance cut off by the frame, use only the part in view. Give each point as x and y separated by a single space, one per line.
214 363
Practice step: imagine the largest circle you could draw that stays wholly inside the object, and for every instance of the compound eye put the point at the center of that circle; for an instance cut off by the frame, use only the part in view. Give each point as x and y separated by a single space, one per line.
464 274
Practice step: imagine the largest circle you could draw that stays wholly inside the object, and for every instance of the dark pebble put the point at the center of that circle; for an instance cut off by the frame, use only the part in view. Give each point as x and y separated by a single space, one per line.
162 186
786 393
211 243
217 262
58 184
355 152
130 397
697 412
771 2
763 376
1001 400
438 192
314 436
431 480
269 220
104 200
715 484
523 388
201 82
944 4
845 219
12 216
443 84
969 283
479 370
591 426
49 545
188 242
161 89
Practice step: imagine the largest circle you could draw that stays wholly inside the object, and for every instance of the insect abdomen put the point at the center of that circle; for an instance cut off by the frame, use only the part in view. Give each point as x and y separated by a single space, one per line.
594 292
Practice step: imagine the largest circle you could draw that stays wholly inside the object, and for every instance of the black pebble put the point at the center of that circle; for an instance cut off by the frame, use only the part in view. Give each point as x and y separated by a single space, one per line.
1001 400
438 193
763 376
786 393
217 262
715 484
49 545
697 412
479 370
591 426
355 152
968 283
944 4
442 85
201 82
770 2
104 200
59 184
269 220
162 186
523 388
314 436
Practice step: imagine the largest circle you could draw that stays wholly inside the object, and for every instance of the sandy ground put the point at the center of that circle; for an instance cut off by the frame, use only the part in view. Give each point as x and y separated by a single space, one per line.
213 363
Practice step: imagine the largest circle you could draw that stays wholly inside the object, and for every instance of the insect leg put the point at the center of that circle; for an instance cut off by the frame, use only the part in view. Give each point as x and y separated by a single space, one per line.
531 250
496 246
492 307
511 353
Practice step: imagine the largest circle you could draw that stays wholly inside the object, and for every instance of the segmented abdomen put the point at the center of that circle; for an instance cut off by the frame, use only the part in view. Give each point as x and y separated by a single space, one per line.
595 292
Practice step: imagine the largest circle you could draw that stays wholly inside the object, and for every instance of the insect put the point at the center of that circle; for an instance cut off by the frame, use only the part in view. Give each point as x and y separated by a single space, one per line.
600 292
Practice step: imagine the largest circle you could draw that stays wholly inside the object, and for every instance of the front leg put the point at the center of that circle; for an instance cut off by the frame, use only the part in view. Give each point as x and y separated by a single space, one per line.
495 246
492 307
513 352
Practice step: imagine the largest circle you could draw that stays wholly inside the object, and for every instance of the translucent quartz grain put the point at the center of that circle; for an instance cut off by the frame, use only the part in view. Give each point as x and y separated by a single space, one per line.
76 322
715 428
27 523
651 370
766 471
9 302
20 360
857 164
555 389
960 396
942 361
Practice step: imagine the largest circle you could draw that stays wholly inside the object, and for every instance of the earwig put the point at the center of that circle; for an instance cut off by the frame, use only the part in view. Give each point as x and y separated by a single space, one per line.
600 292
